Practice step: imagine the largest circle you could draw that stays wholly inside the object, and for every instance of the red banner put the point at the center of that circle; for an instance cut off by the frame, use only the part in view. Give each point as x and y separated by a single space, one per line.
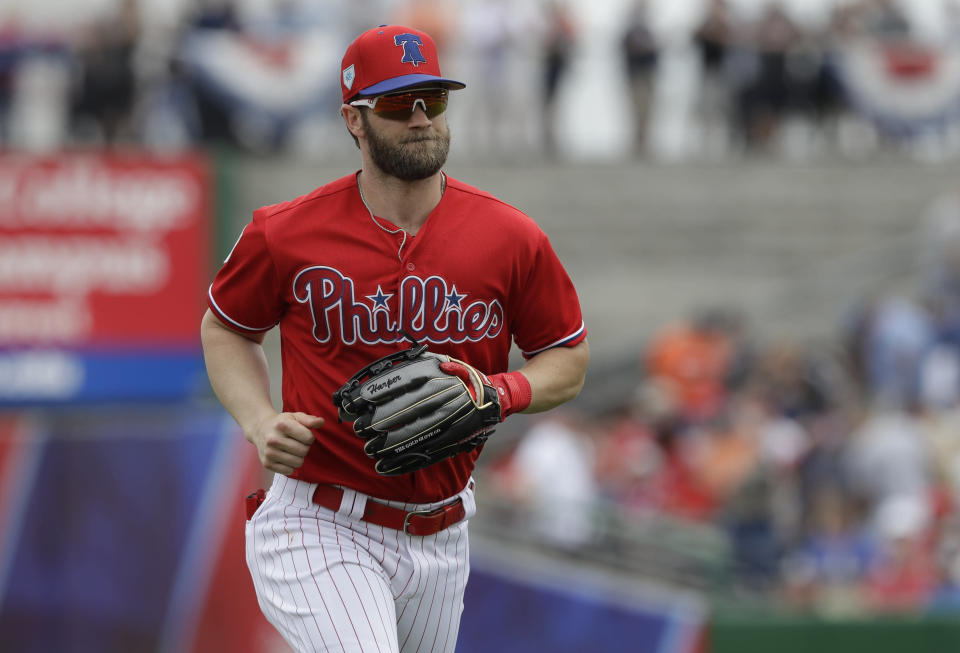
102 249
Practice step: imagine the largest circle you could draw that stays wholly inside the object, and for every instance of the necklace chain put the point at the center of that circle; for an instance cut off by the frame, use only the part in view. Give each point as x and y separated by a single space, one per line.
443 189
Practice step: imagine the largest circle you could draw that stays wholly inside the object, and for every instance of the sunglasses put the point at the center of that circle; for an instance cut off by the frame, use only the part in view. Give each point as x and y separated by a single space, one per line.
400 106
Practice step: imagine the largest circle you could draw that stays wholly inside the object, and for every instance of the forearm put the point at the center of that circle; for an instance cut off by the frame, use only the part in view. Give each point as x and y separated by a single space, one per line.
238 372
556 376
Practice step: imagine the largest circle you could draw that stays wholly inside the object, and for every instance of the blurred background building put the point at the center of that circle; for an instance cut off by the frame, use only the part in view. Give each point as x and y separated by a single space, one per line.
758 200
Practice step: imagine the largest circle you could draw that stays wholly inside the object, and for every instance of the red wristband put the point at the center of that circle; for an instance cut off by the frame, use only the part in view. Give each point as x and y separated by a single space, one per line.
513 390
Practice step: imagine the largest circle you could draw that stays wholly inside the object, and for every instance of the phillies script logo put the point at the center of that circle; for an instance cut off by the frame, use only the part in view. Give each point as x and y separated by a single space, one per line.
428 309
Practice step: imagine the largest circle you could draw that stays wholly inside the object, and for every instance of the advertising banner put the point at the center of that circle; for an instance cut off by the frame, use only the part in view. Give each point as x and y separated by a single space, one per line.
103 265
124 532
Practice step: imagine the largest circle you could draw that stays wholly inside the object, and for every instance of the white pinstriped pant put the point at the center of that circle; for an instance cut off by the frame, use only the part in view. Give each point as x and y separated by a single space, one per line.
329 582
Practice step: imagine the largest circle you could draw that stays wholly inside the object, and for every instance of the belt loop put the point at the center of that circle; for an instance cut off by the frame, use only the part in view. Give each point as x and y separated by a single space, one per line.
353 504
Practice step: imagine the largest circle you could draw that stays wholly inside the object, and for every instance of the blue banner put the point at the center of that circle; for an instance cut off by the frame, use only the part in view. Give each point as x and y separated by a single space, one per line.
34 376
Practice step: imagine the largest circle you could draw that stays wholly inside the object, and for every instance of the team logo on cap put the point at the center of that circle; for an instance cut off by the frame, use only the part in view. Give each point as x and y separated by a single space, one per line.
411 48
348 76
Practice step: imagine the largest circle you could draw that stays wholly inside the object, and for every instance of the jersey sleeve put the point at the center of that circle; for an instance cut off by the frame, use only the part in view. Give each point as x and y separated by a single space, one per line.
245 293
549 313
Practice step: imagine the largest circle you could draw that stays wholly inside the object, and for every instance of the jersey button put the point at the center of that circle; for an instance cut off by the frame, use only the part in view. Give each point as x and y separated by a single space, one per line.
411 267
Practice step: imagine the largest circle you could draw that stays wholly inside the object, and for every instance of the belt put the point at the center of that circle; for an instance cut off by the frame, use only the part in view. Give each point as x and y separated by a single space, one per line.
416 522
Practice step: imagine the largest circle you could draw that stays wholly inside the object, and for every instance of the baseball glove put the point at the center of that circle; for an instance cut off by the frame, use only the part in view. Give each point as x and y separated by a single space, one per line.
412 413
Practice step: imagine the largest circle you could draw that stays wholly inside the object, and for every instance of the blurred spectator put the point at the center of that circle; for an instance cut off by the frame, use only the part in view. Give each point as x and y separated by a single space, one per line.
9 56
812 97
892 336
640 53
905 577
824 463
939 382
827 569
645 461
169 118
629 454
786 378
38 119
763 100
552 478
712 38
727 453
945 599
748 516
939 256
106 84
558 49
828 102
489 32
215 14
940 427
695 359
213 115
679 488
889 465
746 485
783 444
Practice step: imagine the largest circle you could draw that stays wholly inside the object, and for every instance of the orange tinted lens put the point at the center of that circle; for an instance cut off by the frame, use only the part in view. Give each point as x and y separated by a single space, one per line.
399 106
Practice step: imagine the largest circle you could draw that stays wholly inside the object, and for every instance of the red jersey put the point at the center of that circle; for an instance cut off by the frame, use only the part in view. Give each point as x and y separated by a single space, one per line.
342 285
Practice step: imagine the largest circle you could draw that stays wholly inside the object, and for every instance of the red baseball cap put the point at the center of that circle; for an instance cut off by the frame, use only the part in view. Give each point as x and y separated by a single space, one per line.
389 58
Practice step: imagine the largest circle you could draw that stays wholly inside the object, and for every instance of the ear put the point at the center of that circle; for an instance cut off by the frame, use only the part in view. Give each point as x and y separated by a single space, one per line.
351 116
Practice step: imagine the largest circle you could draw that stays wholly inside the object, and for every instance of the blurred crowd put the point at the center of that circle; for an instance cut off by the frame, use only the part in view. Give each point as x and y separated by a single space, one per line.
261 75
760 78
862 76
832 468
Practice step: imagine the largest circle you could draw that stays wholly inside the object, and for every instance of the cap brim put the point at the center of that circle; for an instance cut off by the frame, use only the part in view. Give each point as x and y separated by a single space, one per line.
406 81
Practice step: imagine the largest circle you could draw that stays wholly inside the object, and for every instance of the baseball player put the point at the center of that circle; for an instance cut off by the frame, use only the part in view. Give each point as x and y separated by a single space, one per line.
346 555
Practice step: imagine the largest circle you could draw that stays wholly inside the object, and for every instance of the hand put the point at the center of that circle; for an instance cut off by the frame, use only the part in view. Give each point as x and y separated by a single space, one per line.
284 439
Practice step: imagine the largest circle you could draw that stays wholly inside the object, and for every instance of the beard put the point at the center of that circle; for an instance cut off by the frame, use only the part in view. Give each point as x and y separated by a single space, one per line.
418 156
